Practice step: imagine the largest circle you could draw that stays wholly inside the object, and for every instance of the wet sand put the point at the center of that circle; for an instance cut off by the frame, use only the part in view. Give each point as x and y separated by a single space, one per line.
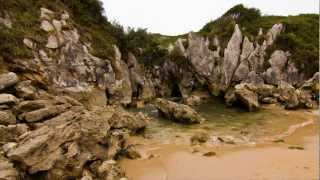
265 161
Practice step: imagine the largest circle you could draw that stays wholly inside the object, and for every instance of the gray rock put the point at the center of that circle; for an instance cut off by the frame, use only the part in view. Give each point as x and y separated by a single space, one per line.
46 26
232 55
8 80
178 112
276 72
53 42
273 33
247 97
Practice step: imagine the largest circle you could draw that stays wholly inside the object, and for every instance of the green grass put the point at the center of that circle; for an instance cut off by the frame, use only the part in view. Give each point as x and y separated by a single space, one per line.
87 16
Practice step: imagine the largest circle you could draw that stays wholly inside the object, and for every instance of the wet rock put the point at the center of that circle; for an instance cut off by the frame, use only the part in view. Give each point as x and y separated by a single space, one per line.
7 118
230 97
132 153
247 97
306 99
193 100
210 154
178 112
44 113
25 90
199 138
7 80
8 99
288 95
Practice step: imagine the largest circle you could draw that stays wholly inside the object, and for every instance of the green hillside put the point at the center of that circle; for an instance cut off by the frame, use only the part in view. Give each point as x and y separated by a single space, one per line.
300 37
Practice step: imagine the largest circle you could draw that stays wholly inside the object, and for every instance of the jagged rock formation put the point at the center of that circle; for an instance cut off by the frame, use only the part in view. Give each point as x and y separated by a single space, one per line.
243 62
44 136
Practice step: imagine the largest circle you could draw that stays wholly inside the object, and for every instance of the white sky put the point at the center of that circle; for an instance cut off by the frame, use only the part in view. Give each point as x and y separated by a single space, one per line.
173 17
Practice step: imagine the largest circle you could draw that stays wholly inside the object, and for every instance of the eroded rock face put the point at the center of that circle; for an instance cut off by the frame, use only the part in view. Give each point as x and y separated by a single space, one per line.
73 139
231 55
178 112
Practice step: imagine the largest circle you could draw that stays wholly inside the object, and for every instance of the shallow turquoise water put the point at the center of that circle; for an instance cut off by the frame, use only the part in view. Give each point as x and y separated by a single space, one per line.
225 121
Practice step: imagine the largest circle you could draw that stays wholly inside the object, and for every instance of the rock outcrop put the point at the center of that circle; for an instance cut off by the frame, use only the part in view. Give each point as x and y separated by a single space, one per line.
178 112
44 135
247 97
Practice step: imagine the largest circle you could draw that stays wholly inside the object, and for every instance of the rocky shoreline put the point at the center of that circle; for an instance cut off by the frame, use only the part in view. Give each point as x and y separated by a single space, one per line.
62 111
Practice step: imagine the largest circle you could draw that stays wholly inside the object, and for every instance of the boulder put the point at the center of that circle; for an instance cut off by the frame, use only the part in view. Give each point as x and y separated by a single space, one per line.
199 137
178 112
247 97
288 95
7 80
44 113
7 118
8 99
25 90
122 119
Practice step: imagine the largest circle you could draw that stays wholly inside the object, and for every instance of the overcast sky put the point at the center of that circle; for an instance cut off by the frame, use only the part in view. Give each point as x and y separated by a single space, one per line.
172 17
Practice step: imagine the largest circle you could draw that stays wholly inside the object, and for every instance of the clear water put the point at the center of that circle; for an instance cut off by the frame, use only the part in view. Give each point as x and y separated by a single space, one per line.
226 122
